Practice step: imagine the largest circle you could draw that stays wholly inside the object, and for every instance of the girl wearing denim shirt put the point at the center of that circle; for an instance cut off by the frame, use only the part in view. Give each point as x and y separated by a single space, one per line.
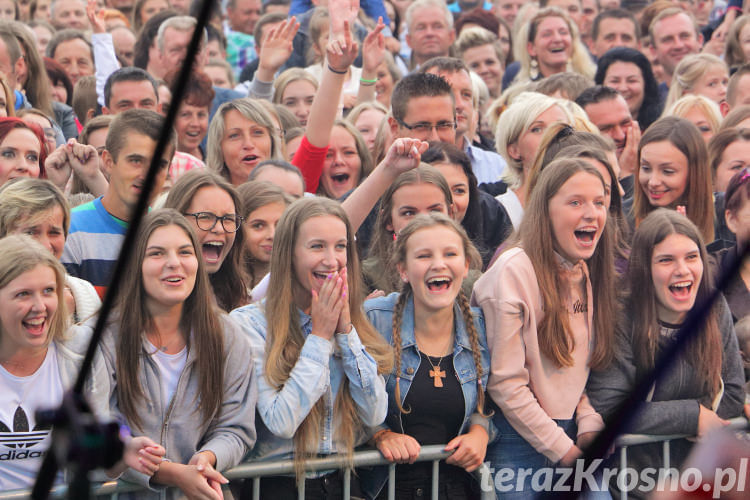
318 360
441 358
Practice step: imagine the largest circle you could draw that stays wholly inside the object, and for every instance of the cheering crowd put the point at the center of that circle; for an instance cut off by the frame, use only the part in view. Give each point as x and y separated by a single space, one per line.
376 223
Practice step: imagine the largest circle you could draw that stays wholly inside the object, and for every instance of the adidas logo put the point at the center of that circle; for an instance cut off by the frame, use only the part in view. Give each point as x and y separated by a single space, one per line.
21 437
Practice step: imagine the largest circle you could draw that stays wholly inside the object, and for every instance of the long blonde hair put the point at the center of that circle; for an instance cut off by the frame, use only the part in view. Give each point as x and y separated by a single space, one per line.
688 72
22 254
285 337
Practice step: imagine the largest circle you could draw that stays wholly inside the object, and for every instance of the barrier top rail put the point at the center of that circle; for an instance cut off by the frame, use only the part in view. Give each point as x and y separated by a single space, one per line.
360 459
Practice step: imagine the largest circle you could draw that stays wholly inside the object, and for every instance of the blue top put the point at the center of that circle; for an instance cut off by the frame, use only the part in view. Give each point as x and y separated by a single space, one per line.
322 367
455 7
93 244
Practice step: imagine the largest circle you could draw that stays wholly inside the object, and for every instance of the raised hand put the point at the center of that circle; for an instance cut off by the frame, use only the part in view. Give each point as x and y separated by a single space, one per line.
84 160
58 168
341 12
404 154
277 47
341 52
96 17
373 49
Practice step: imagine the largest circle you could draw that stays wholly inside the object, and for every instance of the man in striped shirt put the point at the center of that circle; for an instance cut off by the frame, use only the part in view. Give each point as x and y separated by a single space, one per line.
98 228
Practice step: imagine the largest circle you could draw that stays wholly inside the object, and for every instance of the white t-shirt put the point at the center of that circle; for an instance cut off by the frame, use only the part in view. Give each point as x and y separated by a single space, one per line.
170 367
22 444
512 205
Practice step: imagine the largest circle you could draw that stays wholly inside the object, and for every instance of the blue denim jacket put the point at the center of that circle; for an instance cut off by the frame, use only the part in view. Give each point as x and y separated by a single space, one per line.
319 372
380 313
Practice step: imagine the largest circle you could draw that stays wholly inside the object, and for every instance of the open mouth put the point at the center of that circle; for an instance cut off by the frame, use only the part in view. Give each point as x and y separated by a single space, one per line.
557 50
439 284
250 158
681 290
212 251
340 179
174 280
585 236
35 326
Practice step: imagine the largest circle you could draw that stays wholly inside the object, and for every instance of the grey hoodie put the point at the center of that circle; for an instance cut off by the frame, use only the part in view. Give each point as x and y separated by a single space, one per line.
177 424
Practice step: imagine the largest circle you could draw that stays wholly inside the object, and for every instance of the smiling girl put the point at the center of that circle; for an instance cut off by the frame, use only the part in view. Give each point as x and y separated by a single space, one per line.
176 366
667 276
318 362
263 203
547 302
674 172
347 161
213 207
441 360
38 361
419 191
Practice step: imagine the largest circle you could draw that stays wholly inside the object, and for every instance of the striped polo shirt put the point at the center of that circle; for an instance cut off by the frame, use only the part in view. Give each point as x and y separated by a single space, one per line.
93 244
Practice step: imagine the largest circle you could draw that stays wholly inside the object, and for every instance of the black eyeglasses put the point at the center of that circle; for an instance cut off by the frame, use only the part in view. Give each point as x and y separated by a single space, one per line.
426 127
207 221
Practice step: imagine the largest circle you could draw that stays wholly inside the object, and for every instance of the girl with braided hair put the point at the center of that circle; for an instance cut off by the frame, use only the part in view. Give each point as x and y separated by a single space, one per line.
441 358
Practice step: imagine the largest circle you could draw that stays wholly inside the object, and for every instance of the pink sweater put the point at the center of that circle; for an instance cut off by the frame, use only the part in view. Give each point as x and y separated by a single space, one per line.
527 386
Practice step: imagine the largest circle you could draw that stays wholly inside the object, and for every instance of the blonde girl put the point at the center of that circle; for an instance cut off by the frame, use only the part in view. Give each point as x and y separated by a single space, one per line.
312 402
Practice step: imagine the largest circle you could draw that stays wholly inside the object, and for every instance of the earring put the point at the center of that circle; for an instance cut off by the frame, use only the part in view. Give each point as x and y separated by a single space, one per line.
404 279
534 69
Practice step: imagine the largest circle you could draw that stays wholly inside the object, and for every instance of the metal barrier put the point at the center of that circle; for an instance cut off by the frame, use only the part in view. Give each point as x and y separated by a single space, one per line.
627 440
433 453
256 470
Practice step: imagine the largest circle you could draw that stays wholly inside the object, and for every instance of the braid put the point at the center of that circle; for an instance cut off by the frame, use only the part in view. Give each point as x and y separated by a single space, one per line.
398 314
463 303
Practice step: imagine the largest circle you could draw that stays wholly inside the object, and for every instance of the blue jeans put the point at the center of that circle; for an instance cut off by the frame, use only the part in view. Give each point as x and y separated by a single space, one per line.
514 454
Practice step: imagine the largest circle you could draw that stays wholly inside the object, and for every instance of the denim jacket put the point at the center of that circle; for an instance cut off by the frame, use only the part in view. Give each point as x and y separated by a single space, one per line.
380 313
319 372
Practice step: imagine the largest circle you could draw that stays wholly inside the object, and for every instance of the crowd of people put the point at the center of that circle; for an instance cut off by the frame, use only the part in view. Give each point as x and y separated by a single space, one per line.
386 223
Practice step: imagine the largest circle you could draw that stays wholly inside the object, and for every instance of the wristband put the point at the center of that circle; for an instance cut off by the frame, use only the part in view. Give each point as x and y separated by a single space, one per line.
367 83
338 72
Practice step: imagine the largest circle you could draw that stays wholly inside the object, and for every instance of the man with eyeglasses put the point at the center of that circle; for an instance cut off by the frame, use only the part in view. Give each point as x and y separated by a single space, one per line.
487 165
98 228
423 108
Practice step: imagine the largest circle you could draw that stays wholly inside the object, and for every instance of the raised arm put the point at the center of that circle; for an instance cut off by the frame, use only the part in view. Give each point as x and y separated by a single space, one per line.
373 54
275 51
340 54
403 155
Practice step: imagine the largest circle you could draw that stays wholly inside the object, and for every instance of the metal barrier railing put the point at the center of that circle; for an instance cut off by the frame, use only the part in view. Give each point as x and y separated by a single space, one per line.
256 470
433 453
627 440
